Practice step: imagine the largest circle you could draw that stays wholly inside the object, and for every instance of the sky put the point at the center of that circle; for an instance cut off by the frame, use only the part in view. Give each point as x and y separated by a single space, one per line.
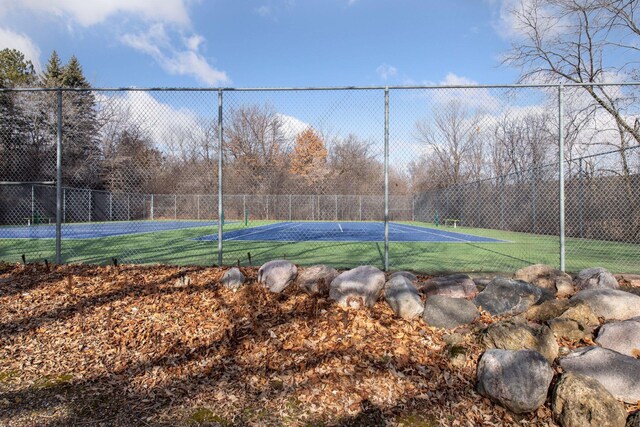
266 43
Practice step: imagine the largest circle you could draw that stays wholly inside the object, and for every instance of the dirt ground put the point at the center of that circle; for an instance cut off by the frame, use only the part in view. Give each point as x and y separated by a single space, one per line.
132 345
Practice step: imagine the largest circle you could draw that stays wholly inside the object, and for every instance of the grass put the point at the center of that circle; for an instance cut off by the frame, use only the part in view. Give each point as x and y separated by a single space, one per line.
177 247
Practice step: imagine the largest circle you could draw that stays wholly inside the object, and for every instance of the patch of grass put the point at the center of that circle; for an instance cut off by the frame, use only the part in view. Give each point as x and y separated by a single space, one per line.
206 416
6 376
51 381
177 247
415 420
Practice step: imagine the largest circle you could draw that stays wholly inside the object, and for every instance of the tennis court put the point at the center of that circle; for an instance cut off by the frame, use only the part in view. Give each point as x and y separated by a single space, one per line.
96 230
347 232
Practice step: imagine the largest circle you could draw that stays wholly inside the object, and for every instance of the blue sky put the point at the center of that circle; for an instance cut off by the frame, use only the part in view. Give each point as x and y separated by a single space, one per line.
270 43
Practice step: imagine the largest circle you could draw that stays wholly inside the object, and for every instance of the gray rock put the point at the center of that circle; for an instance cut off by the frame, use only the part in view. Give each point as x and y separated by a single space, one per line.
516 334
633 420
403 297
357 287
581 312
546 277
445 312
316 279
569 329
582 401
518 380
502 296
547 310
623 336
409 275
618 373
453 286
610 303
276 275
595 278
233 279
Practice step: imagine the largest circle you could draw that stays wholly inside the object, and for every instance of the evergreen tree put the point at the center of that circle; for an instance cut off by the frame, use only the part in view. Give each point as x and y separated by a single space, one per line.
16 161
52 77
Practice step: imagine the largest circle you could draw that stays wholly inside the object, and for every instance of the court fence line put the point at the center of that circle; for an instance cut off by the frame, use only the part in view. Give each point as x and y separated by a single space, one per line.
558 193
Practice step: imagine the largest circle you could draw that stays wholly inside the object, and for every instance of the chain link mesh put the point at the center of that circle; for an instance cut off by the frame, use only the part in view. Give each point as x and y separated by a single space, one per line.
473 177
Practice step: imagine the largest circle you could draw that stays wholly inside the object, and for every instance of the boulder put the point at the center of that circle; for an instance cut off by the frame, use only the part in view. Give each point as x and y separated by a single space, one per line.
516 379
276 275
581 313
595 278
409 275
445 312
618 373
546 277
516 334
403 297
453 286
547 310
233 279
569 329
316 279
357 287
623 336
505 296
611 304
582 401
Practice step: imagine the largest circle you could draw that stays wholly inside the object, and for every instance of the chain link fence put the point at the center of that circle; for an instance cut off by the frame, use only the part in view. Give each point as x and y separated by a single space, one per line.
430 179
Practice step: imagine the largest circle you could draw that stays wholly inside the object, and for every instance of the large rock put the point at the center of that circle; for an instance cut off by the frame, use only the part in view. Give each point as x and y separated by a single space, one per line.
505 296
569 329
518 380
452 286
618 373
516 334
623 336
595 278
547 310
276 275
233 278
403 297
316 279
357 287
409 275
581 312
611 304
582 401
445 312
546 277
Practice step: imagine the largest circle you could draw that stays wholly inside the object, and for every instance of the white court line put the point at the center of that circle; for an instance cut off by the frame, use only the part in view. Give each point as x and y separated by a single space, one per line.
341 230
430 232
272 227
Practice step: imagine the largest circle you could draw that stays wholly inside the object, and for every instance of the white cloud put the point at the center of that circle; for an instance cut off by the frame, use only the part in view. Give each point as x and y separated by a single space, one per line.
292 126
177 61
264 11
452 79
509 26
88 13
168 37
385 71
21 42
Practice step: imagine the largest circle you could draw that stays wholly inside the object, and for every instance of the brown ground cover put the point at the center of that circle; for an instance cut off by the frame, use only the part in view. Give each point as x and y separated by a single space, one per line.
131 345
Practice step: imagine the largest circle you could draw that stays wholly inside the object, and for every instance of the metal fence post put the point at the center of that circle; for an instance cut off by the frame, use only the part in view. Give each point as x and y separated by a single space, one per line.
59 182
561 172
220 207
151 207
336 196
290 207
198 205
128 207
33 207
175 206
386 179
110 206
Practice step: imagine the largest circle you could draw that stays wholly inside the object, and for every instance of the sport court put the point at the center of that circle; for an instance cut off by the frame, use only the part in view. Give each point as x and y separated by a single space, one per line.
347 232
94 230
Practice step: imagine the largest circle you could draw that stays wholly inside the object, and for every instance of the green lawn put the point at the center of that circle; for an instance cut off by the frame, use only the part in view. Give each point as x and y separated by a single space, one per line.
176 247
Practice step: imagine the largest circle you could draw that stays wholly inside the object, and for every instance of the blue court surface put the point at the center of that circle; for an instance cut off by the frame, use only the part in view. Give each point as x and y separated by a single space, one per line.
347 232
94 230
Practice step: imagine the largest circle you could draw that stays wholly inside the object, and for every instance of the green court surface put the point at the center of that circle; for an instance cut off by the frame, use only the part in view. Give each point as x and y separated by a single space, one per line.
178 247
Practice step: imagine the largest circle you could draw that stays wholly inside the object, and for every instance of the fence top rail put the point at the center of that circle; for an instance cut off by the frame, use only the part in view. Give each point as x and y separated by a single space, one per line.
309 88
